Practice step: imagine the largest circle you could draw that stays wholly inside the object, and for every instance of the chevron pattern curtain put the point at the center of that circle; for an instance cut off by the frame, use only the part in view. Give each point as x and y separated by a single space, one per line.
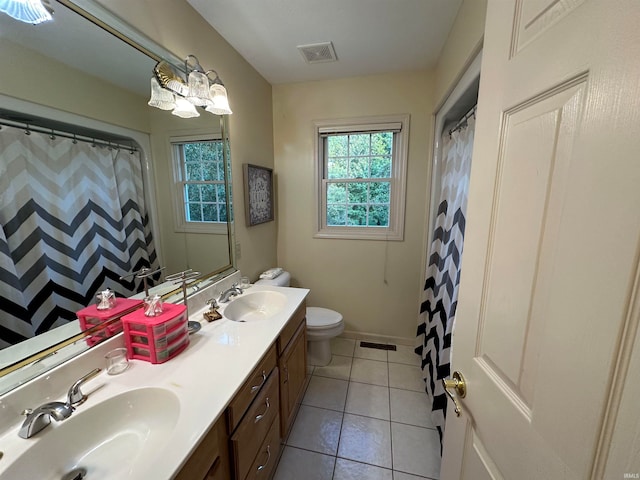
73 220
440 297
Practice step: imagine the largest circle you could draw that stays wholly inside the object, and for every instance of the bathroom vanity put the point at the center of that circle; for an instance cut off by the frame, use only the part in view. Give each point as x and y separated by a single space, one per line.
217 411
244 443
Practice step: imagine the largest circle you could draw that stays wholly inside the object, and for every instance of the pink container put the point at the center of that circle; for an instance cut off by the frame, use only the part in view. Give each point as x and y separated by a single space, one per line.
156 339
90 317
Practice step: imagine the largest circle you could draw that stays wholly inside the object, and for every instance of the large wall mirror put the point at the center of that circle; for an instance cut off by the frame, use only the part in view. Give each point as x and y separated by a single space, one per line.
71 80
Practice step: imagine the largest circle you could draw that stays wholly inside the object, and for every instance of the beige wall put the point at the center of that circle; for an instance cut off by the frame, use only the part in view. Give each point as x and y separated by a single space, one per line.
374 284
463 42
30 76
181 30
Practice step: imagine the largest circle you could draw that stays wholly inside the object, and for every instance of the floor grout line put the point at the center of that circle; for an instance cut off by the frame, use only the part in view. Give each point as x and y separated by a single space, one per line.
344 412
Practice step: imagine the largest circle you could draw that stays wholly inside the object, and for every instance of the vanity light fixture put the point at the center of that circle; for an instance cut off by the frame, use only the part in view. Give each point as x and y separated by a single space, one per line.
28 11
169 91
184 109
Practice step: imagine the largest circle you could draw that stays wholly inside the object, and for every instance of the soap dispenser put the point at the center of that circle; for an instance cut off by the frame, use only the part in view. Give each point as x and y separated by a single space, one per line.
212 314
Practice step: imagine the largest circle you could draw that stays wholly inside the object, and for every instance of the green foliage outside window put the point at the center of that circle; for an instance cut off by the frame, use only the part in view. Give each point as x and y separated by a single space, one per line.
203 180
358 167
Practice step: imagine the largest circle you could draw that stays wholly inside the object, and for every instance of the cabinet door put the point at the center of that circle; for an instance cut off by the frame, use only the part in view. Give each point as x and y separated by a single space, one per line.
293 364
210 460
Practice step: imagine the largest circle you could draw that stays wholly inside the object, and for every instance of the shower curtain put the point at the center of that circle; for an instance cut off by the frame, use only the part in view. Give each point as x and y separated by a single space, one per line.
438 308
73 220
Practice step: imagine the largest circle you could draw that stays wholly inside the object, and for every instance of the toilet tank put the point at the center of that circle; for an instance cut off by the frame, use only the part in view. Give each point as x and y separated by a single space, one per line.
282 280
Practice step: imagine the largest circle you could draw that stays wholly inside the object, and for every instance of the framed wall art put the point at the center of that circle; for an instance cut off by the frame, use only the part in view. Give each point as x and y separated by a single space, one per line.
258 194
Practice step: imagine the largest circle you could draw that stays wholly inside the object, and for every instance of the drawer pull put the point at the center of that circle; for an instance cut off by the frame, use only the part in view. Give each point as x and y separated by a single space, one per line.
261 467
214 467
255 388
259 417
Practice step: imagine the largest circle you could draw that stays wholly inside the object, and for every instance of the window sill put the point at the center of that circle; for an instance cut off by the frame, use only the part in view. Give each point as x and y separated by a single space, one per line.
357 233
196 227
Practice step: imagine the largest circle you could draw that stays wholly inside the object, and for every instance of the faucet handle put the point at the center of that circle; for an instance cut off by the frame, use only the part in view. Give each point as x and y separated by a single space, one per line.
75 395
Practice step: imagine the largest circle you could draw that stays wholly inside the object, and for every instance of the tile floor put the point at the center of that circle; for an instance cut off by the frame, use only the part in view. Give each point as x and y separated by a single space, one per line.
363 417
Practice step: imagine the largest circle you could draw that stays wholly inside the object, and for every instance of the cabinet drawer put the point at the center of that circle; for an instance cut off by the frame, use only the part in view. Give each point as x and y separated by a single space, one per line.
291 327
210 459
267 458
251 388
253 428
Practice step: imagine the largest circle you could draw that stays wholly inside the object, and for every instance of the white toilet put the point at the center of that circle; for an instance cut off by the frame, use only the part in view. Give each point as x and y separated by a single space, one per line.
322 325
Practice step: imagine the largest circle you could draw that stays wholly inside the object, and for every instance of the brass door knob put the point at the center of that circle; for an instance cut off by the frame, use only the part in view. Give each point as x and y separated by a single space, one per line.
458 384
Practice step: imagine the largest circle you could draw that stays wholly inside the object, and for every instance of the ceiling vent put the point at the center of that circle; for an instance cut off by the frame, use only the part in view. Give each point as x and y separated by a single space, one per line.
318 52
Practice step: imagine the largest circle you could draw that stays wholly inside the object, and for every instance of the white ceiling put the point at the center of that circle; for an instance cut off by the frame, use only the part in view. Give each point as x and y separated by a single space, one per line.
369 36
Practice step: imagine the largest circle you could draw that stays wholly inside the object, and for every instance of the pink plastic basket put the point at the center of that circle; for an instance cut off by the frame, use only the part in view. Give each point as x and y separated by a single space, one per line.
90 317
156 339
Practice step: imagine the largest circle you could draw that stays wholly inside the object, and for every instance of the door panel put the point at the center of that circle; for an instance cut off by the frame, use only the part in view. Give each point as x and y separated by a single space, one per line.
533 17
531 171
479 465
552 243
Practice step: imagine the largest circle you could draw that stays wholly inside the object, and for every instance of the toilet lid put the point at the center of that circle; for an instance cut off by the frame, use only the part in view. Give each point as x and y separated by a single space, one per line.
322 317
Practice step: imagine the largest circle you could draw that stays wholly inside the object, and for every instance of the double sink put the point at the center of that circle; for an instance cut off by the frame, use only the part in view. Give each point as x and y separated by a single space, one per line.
129 424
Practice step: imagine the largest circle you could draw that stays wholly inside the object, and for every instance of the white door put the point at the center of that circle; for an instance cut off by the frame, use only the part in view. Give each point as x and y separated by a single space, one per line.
548 307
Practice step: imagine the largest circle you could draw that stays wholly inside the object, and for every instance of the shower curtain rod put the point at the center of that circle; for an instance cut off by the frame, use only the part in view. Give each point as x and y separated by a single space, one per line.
28 128
463 121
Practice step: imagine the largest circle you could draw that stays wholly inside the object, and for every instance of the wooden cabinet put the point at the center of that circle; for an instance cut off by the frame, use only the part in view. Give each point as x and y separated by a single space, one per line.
251 415
293 368
251 388
254 427
210 460
244 444
267 457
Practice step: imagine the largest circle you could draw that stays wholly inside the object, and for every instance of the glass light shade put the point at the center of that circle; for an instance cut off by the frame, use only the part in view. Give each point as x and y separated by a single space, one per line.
185 109
178 87
219 104
161 98
198 88
28 11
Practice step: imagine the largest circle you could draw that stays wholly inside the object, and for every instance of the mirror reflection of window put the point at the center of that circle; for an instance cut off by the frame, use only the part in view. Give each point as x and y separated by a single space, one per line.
200 194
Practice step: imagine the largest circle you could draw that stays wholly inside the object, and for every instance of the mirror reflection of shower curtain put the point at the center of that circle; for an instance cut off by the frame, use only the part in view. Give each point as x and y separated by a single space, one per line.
73 220
437 310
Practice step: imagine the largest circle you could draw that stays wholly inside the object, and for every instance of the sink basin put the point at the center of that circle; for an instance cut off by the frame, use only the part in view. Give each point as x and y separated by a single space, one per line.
107 440
255 306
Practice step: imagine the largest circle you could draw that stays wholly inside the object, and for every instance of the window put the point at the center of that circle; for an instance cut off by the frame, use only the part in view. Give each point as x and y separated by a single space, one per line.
361 165
200 199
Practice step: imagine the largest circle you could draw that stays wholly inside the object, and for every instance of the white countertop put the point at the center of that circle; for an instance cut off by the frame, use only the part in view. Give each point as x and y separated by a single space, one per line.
204 377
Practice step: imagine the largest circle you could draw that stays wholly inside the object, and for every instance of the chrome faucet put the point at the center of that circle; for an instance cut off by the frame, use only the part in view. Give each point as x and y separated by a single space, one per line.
75 395
230 292
41 417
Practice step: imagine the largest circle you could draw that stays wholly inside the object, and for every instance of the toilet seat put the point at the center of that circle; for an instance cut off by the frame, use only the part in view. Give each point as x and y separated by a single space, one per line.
319 318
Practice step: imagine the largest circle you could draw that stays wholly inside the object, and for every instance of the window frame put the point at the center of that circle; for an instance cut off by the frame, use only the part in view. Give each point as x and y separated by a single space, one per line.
181 224
395 230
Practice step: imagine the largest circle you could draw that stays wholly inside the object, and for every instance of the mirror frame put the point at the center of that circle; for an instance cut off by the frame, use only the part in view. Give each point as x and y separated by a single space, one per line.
103 18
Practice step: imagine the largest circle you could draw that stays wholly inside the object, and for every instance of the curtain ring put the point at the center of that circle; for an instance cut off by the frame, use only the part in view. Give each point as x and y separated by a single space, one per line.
93 142
52 136
27 131
75 140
